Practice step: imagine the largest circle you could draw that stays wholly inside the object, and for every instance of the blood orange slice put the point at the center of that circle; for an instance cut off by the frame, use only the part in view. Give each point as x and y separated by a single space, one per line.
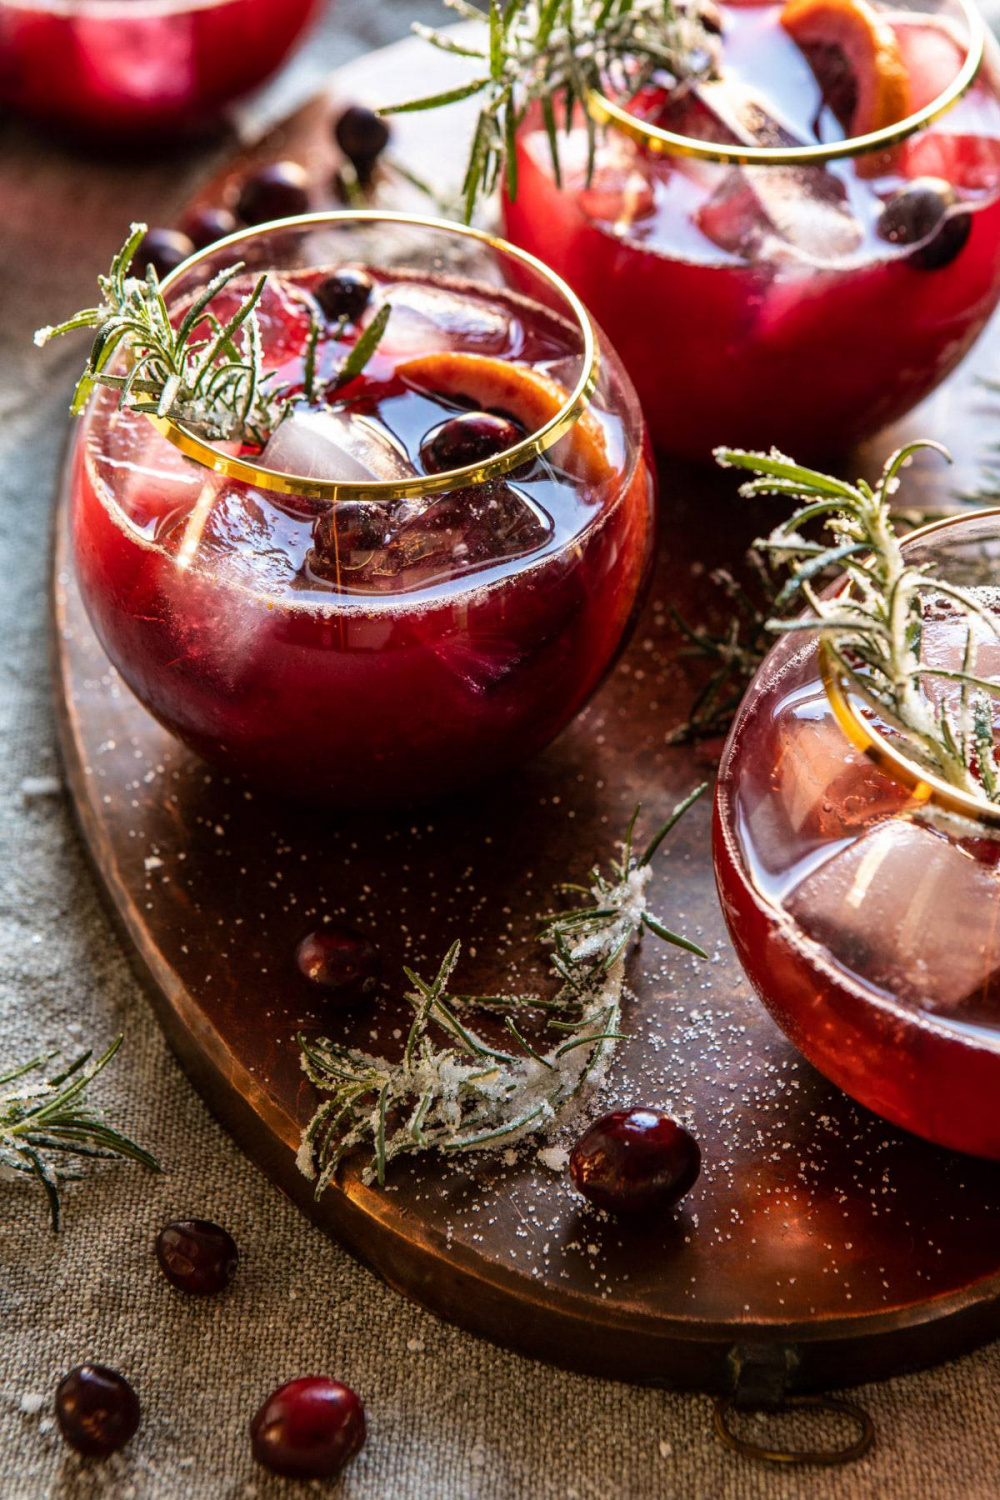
856 58
529 396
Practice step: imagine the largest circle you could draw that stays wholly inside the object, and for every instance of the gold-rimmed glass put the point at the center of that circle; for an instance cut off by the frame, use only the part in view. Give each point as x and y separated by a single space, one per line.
397 638
401 238
609 111
764 293
861 889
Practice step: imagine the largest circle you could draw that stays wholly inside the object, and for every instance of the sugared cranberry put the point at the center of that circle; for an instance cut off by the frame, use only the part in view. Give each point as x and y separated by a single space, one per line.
274 192
924 214
362 136
206 226
163 249
344 294
469 437
97 1410
338 960
308 1429
635 1161
197 1256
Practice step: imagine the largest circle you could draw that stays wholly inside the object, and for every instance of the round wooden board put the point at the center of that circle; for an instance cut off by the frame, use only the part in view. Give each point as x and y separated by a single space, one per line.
820 1247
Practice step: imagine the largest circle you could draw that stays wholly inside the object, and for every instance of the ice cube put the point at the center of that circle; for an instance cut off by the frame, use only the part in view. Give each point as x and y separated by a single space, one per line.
283 315
756 211
909 912
811 789
723 111
427 318
318 443
620 190
437 539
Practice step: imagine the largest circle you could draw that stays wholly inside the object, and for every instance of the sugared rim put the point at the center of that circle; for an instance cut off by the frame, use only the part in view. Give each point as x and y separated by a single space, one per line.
607 112
924 786
537 442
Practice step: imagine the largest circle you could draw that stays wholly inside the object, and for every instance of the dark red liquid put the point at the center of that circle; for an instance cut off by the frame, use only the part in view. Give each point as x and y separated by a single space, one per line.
747 310
154 67
866 921
428 642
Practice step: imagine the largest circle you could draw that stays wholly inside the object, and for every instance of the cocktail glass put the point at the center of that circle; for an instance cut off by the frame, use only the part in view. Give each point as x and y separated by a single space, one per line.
862 892
804 292
392 638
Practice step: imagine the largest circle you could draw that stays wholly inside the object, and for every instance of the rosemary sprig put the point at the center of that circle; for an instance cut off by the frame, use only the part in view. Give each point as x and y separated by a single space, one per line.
42 1124
454 1090
556 53
873 626
206 374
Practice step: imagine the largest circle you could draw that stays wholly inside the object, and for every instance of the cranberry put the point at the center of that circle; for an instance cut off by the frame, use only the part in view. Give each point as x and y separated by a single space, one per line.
97 1410
470 437
340 960
163 249
362 136
635 1160
344 294
345 538
924 214
308 1429
206 226
274 192
197 1256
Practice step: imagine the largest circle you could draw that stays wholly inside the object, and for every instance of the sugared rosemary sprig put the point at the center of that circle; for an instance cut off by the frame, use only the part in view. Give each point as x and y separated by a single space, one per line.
873 627
557 53
45 1124
454 1090
206 374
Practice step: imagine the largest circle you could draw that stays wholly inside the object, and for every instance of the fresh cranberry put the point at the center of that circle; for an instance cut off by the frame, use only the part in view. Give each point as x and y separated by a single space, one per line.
274 192
344 294
206 226
97 1410
338 960
925 214
470 437
344 538
635 1161
163 249
197 1256
308 1429
362 136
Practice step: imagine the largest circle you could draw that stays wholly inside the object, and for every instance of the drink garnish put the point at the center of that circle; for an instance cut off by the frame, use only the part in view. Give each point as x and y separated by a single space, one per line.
204 373
873 626
453 1090
555 54
44 1124
856 59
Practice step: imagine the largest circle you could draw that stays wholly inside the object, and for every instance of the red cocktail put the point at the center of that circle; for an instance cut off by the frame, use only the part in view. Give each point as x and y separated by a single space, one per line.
861 892
147 67
411 588
764 279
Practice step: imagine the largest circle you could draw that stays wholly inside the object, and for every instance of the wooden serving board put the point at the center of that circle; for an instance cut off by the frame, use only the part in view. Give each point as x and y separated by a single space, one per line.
820 1246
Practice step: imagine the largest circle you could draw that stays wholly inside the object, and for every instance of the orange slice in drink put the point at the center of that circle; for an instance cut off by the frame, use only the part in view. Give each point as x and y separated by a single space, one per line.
856 58
529 396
